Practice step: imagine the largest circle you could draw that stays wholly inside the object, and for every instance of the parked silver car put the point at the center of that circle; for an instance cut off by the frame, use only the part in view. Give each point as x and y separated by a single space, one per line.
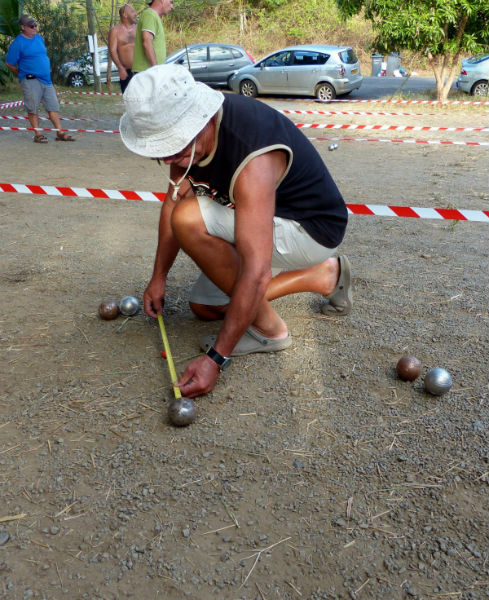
79 72
310 70
474 75
213 64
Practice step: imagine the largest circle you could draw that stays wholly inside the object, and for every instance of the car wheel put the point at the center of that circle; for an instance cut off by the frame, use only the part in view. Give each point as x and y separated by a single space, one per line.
325 91
76 80
248 88
479 89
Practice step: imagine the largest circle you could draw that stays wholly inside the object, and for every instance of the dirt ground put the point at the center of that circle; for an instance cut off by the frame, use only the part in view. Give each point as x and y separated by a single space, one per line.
311 473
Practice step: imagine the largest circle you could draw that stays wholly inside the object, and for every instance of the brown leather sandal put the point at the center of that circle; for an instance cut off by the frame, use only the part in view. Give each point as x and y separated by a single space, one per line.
64 137
40 139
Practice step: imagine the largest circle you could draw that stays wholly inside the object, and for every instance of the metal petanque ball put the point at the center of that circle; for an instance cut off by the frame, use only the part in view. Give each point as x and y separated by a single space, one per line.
332 147
108 310
182 412
438 381
129 306
408 368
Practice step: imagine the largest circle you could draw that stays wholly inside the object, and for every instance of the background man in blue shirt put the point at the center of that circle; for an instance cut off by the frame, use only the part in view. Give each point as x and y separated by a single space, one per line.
28 60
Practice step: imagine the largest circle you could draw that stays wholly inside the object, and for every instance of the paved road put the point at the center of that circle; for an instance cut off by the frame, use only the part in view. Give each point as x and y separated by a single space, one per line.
373 88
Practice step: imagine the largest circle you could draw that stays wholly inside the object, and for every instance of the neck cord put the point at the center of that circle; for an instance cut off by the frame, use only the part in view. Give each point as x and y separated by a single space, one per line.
176 185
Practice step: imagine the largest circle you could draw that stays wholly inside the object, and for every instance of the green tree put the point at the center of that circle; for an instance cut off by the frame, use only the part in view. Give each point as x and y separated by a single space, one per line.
9 28
441 30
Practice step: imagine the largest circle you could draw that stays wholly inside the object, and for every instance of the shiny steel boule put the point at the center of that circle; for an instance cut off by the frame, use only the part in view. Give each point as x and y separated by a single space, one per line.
332 147
438 381
129 306
182 412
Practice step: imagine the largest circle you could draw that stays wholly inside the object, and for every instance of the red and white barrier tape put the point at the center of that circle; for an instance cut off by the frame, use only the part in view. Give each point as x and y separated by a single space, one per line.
24 118
52 129
96 93
71 102
386 127
319 139
11 104
452 214
355 209
51 190
381 101
21 103
394 141
358 113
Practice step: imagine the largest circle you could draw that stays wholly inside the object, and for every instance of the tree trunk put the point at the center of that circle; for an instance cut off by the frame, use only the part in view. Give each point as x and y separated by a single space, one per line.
445 66
91 31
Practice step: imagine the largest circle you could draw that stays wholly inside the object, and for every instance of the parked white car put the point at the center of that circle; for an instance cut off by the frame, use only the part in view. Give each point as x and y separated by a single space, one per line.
308 70
79 72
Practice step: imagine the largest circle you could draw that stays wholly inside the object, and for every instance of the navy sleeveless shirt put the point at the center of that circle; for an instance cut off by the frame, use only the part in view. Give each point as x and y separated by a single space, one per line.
307 193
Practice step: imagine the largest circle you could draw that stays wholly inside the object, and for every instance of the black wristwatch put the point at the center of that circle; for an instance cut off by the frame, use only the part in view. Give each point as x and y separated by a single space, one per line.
222 362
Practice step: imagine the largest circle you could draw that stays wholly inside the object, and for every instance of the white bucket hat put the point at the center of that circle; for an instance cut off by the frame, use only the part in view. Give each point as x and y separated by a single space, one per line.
165 109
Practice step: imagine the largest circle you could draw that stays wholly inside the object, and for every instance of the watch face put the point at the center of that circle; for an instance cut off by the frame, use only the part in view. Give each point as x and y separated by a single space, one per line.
226 363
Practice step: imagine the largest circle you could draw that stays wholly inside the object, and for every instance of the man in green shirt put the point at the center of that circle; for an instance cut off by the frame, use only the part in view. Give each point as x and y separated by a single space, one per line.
150 45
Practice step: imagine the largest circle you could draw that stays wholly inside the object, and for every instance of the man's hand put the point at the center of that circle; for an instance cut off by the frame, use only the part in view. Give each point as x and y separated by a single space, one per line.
154 297
122 73
13 68
199 378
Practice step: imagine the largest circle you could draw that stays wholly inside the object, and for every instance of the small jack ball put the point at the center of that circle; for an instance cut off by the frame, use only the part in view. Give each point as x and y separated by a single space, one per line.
438 381
108 310
408 368
182 412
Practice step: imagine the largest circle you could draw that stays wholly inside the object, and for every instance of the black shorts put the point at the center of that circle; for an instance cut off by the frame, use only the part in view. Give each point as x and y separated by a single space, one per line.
124 82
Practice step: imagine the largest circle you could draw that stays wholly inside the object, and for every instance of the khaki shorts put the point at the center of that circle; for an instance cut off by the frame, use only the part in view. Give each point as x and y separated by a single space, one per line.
34 92
293 248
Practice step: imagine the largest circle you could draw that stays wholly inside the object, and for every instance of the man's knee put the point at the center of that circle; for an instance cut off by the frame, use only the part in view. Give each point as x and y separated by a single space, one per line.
186 219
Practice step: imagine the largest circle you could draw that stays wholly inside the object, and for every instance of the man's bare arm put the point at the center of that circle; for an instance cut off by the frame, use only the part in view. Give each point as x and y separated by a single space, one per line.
13 68
254 193
167 249
149 51
114 54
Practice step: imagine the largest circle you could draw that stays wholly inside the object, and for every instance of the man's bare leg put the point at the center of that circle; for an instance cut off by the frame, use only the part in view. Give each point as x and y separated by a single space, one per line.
34 121
321 278
219 260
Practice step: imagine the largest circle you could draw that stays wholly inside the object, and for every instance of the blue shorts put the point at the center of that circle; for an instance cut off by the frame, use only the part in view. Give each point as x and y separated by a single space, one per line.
34 92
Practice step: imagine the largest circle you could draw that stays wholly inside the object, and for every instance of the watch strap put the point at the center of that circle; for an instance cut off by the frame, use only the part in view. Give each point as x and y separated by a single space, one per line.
221 361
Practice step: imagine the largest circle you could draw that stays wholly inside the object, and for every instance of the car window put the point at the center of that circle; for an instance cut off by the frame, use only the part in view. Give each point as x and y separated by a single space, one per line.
198 54
103 55
281 59
474 60
348 56
302 58
236 53
220 53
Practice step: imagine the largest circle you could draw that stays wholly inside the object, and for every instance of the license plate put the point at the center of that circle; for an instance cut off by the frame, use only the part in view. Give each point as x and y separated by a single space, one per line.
353 71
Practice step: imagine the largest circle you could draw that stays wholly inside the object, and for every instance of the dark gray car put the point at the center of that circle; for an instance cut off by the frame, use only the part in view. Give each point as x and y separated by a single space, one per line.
309 70
213 64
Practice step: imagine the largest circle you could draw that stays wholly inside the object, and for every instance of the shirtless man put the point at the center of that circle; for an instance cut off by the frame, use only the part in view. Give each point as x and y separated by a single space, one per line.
121 43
